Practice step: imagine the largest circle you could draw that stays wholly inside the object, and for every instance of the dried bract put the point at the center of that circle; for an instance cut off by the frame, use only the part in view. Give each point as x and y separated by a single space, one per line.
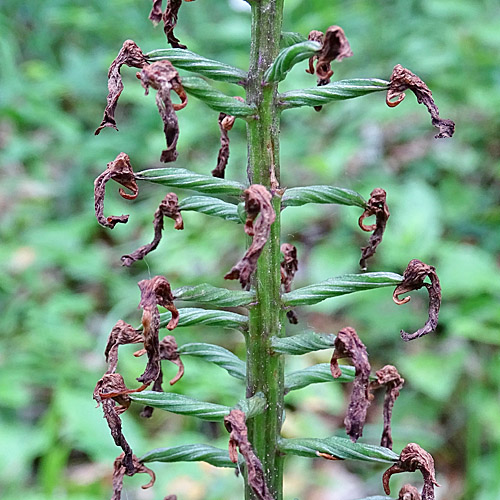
121 334
348 345
170 17
163 77
120 170
235 424
120 470
289 266
376 206
413 279
403 79
409 492
258 200
389 377
413 457
169 207
156 12
131 55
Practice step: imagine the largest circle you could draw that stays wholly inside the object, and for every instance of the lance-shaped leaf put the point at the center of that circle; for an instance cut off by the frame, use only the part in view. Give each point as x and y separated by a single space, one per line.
337 448
337 91
288 38
315 374
189 316
120 170
121 334
413 458
289 266
189 61
186 179
303 343
298 196
341 285
288 58
215 99
376 206
220 297
413 279
217 355
403 79
169 207
259 209
120 469
190 453
132 56
163 77
211 206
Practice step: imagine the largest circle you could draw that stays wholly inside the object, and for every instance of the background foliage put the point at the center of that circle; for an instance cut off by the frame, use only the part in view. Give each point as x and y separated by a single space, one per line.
62 287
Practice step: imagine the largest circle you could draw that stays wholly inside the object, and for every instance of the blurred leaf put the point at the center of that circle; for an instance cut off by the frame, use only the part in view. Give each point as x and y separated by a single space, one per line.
219 297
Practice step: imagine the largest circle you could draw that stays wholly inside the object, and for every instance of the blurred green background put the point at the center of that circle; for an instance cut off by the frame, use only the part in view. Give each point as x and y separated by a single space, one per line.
62 287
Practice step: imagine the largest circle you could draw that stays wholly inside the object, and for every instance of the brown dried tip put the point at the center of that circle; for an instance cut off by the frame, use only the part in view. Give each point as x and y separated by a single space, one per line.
257 201
170 17
163 77
121 334
389 377
156 12
409 492
413 279
235 424
120 470
412 458
131 55
120 170
348 345
376 206
403 79
169 207
289 266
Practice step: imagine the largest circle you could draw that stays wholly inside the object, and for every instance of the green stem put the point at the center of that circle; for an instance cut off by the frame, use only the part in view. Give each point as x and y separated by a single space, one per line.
265 373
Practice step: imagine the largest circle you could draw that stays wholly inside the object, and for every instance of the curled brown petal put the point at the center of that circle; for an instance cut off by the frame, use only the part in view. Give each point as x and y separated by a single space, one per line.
413 279
156 12
258 200
403 79
120 170
414 457
120 469
238 438
376 206
131 55
289 266
170 17
389 377
348 345
169 207
163 77
121 334
409 492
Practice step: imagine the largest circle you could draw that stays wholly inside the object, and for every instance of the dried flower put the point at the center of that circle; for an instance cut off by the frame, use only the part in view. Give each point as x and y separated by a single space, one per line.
289 266
120 170
156 11
409 492
376 206
120 470
131 55
169 207
163 77
170 17
403 79
348 345
257 201
121 334
413 279
413 457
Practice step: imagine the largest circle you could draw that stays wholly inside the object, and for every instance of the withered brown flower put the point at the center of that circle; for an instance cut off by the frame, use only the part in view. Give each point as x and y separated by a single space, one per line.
413 457
120 170
156 11
163 77
257 201
403 79
376 206
170 17
409 492
289 266
238 438
169 207
413 279
389 377
119 471
131 55
348 345
121 334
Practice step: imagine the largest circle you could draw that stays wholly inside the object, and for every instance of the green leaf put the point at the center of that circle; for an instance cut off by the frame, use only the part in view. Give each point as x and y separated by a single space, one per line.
253 406
185 59
336 91
290 38
341 448
186 179
315 375
215 99
219 297
190 453
298 196
341 285
211 206
288 58
217 355
303 343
